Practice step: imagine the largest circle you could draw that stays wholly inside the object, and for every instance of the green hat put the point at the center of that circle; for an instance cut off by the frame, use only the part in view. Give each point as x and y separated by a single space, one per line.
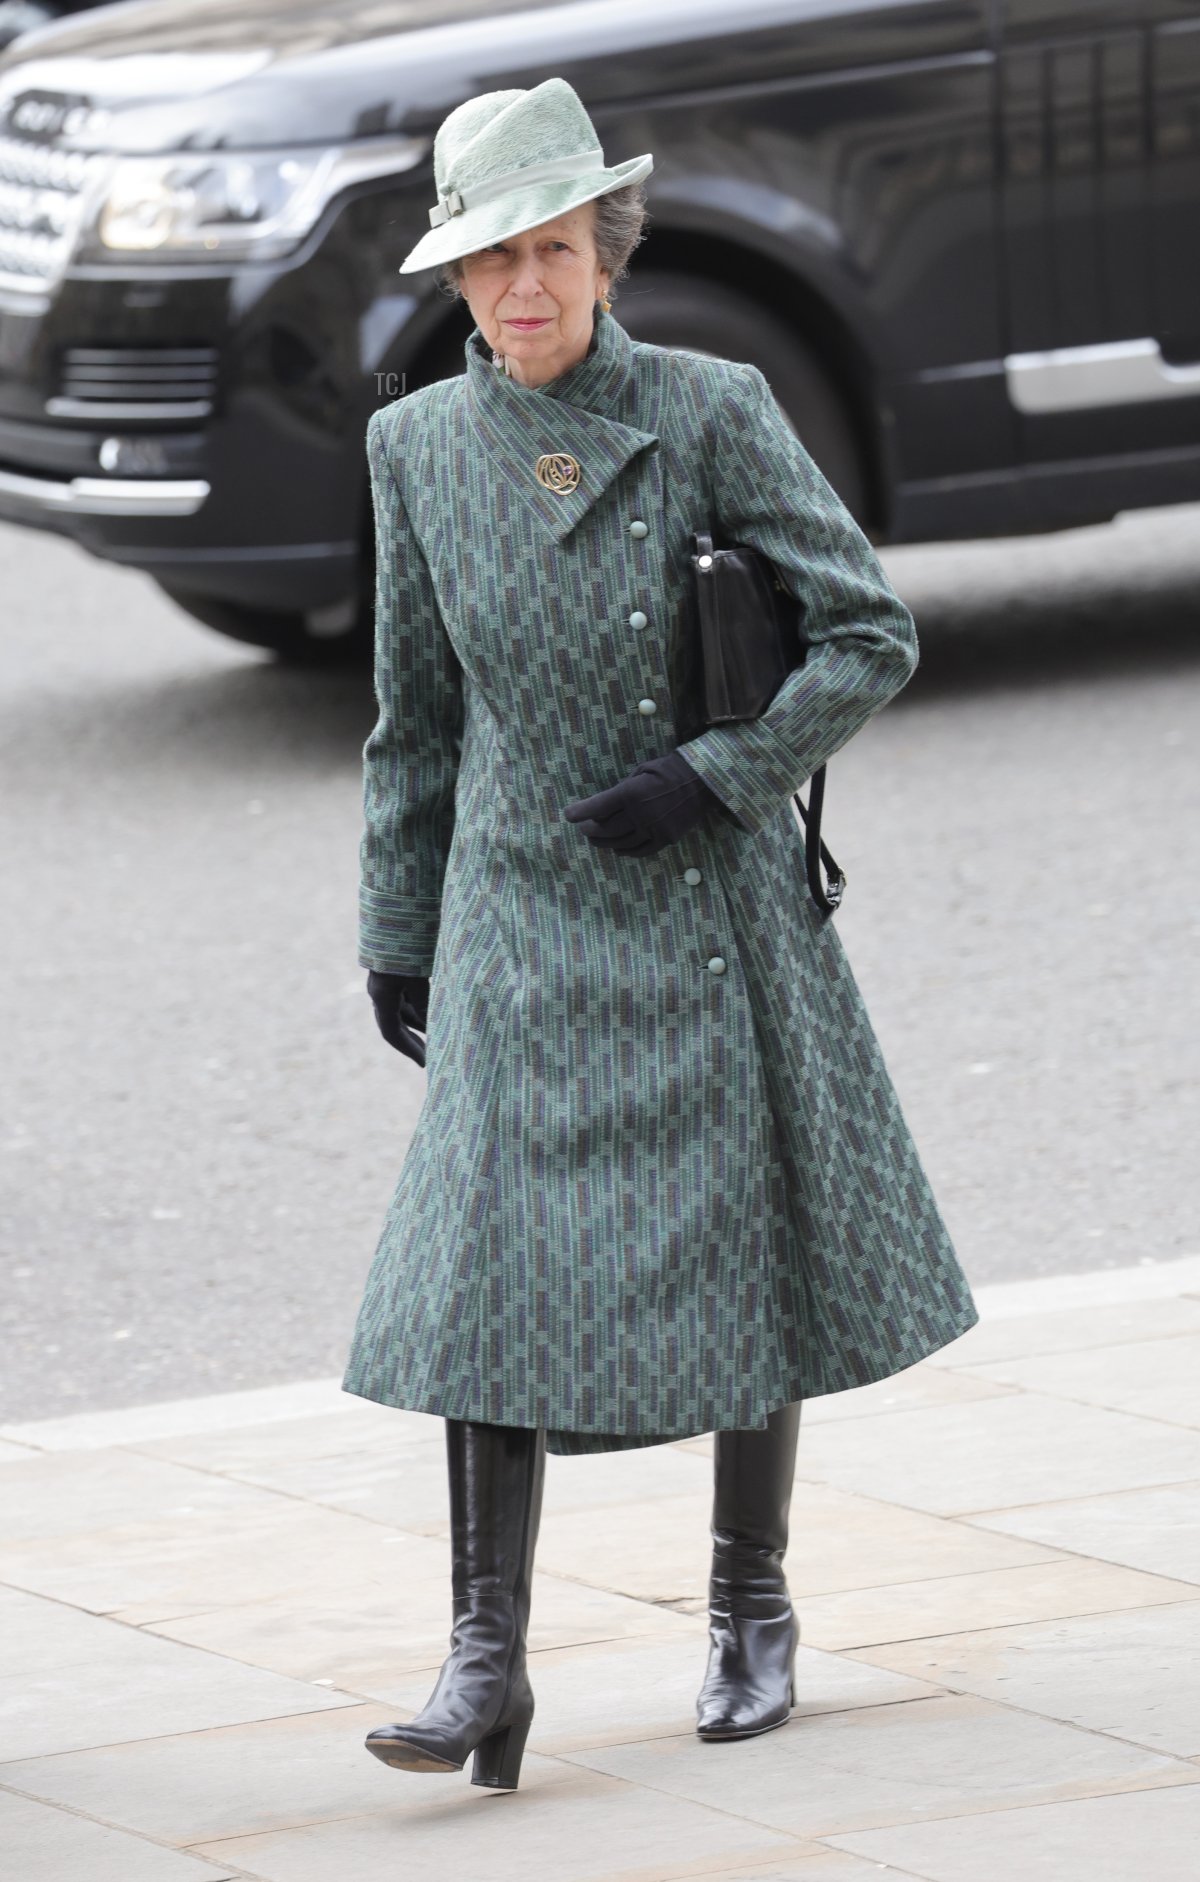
509 160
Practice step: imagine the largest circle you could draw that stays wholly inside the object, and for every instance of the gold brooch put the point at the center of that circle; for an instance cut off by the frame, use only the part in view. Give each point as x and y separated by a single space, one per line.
558 471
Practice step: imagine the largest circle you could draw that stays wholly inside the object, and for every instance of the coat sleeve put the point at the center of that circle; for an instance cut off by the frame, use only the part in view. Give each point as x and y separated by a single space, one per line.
862 643
410 760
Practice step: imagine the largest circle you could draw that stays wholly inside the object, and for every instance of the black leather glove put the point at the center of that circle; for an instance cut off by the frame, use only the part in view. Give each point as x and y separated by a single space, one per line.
658 802
401 1002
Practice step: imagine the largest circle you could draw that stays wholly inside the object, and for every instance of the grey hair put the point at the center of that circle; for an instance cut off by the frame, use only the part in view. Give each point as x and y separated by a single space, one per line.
618 227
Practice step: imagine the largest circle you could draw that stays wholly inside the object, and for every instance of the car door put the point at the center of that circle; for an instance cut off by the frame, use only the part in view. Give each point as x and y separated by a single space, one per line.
1100 186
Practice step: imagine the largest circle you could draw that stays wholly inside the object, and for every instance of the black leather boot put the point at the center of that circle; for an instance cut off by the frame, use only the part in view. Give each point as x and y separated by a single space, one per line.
749 1686
483 1701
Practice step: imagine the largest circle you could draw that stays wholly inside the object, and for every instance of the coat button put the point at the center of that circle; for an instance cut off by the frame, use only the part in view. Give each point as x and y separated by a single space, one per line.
716 965
692 876
637 618
647 706
638 528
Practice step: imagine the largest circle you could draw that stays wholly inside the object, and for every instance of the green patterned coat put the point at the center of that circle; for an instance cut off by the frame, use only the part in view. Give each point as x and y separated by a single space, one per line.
660 1182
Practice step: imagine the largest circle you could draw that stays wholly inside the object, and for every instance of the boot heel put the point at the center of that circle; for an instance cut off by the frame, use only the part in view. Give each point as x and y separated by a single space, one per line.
498 1756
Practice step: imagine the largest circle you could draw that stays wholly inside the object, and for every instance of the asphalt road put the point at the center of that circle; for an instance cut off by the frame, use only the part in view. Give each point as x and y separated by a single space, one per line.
201 1127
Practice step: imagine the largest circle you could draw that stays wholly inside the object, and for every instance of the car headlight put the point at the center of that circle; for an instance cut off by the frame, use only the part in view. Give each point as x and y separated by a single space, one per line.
209 205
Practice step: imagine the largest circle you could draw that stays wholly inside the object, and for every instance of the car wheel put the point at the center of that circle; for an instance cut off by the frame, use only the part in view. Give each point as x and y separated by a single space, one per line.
295 639
668 309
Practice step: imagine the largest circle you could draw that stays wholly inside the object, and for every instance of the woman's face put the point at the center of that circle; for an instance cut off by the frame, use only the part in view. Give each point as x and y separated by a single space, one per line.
549 274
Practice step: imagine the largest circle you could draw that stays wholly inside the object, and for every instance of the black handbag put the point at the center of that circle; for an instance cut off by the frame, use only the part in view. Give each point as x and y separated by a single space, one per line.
750 640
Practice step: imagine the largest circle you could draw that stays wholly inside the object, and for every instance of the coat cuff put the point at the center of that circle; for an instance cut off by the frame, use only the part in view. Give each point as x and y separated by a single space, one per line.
748 769
397 937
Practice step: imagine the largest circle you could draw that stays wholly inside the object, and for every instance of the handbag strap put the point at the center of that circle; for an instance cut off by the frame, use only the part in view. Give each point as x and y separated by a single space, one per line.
826 898
816 851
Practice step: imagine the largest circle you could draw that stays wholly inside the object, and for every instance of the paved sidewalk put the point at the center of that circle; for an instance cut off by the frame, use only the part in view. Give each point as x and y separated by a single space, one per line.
995 1558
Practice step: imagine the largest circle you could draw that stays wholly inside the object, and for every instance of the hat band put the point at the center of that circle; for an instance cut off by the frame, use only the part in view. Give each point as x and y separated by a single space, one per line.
582 163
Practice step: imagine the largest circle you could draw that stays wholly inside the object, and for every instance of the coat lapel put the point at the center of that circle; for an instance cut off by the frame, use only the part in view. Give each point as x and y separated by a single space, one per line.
517 424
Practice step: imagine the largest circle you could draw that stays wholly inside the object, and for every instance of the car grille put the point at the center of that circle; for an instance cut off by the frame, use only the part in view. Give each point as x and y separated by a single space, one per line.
43 195
176 382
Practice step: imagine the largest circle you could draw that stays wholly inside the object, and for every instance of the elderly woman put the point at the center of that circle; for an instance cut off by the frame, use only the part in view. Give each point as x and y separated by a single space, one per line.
660 1183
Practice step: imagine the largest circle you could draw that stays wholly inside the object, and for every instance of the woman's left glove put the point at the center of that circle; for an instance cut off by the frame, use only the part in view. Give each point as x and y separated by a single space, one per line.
401 1002
658 802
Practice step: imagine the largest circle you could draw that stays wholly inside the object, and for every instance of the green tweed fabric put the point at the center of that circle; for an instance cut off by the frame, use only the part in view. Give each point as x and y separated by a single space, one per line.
642 1199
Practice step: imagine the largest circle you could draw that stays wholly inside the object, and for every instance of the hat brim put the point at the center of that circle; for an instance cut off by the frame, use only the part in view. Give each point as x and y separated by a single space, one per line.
522 209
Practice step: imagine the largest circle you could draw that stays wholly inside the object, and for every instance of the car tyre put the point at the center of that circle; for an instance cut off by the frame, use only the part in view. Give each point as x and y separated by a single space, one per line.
286 633
669 309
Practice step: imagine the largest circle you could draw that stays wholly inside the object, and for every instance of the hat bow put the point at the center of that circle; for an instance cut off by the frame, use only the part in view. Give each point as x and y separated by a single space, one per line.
454 203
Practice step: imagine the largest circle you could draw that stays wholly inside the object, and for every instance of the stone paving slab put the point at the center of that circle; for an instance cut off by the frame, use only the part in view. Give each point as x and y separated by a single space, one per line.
821 1865
948 1755
73 1680
991 1453
186 1559
11 1453
997 1598
837 1537
238 1780
53 1844
224 1411
1023 1336
918 1387
564 1822
362 1640
1138 1836
1135 1675
995 1559
369 1468
1156 1529
1155 1377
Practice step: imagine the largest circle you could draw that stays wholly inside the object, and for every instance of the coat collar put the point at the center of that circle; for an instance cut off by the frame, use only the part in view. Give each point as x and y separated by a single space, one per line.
572 413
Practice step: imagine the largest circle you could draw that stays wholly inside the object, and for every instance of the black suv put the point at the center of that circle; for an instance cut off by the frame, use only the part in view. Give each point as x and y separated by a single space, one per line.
958 236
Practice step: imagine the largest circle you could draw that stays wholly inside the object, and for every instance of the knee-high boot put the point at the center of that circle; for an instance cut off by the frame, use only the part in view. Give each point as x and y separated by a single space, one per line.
483 1701
749 1685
